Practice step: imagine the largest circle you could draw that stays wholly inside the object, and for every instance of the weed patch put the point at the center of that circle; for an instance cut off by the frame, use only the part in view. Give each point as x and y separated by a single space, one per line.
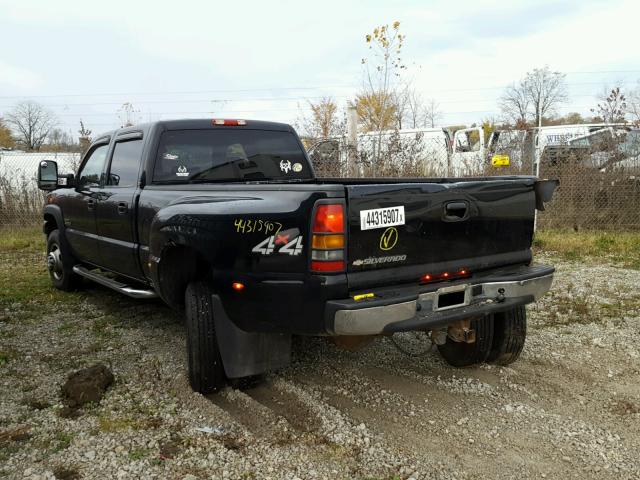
620 248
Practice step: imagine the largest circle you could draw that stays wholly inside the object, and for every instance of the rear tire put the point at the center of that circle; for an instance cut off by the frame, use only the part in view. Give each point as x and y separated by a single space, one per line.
509 333
206 372
461 354
60 263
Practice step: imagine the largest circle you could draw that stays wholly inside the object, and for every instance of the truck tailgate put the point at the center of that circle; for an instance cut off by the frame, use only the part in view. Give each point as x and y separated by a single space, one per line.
413 229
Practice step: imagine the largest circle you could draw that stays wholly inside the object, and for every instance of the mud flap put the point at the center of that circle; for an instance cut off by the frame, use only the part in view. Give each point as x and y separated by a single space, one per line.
246 353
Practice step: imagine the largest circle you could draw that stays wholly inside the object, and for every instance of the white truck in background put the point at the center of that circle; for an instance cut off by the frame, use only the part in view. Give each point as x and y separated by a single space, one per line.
463 152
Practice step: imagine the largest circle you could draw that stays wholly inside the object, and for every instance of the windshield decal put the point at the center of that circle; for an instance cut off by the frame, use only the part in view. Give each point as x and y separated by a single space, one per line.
182 171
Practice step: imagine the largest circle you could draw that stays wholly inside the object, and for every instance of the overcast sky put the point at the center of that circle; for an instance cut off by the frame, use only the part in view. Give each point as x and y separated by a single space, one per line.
265 59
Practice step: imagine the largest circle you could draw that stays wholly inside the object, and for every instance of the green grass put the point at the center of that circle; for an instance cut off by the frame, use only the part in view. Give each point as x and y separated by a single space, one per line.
24 278
62 441
622 248
28 239
138 454
4 358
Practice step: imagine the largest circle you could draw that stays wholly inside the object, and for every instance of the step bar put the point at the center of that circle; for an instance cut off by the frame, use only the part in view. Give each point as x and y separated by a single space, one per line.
113 284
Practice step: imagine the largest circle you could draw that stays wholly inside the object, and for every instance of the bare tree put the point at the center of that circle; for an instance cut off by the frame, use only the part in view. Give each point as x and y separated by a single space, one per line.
85 137
59 141
413 112
612 107
432 113
401 99
31 124
546 91
538 94
514 103
128 114
634 105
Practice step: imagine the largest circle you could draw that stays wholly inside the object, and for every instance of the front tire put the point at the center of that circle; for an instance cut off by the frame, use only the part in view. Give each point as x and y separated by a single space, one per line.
206 372
461 354
60 264
509 333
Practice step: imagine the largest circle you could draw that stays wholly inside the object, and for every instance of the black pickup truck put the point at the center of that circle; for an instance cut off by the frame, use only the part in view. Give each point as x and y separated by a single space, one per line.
225 220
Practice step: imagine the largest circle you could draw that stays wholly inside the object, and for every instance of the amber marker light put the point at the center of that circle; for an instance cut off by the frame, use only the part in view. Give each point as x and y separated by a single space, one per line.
237 286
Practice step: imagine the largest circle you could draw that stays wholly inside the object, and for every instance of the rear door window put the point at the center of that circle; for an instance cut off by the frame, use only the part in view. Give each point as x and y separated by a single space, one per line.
125 164
195 156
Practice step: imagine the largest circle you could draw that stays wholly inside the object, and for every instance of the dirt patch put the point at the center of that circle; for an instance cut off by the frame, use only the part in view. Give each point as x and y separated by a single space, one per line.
87 385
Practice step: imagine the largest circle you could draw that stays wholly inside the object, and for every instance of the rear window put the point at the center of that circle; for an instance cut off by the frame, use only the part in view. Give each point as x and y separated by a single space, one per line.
229 155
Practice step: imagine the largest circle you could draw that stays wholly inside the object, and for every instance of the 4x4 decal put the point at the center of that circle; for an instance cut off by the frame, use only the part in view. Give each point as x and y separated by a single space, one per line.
287 242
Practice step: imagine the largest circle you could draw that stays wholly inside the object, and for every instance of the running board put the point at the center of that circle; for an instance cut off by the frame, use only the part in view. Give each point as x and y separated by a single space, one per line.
113 284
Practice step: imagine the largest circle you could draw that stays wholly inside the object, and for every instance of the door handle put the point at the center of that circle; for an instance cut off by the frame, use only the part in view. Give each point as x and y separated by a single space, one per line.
455 211
123 208
91 204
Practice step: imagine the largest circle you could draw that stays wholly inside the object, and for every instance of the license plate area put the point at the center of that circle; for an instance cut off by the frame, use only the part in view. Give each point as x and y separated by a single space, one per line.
444 298
451 297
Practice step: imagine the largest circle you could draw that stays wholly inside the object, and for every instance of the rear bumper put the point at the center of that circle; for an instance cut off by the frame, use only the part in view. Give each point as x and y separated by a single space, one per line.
438 305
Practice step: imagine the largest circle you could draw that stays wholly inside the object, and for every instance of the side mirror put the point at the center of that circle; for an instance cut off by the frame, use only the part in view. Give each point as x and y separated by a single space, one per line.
48 175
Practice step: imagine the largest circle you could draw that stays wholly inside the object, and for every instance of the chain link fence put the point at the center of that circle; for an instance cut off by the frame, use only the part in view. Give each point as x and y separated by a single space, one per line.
21 201
599 174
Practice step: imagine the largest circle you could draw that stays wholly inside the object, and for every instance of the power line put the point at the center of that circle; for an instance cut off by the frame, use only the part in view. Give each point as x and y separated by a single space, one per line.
272 89
186 92
208 100
274 99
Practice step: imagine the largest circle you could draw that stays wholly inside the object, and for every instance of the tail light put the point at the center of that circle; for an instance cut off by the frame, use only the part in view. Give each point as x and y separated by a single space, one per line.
228 122
442 276
328 238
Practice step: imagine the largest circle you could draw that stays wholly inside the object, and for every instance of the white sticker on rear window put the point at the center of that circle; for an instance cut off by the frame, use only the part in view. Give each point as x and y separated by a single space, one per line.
381 217
285 166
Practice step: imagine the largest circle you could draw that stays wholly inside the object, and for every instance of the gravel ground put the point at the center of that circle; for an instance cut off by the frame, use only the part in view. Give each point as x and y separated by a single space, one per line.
568 408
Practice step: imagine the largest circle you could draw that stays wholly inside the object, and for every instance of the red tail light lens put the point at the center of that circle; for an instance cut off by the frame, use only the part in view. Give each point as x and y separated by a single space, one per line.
317 266
328 242
329 219
436 277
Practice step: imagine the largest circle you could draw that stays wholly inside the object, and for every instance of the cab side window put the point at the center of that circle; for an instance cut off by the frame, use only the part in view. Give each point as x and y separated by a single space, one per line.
91 172
125 164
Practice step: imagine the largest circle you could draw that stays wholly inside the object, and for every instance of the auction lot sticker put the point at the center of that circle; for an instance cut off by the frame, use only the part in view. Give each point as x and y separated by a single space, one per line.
381 217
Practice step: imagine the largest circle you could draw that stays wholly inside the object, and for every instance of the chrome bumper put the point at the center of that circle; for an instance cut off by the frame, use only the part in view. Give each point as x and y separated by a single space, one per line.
428 308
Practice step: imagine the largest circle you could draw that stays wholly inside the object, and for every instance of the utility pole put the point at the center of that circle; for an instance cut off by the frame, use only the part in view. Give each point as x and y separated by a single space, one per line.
352 139
537 155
